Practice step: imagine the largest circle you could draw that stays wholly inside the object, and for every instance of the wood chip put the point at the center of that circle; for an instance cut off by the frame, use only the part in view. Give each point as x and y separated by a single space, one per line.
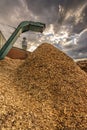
83 65
47 91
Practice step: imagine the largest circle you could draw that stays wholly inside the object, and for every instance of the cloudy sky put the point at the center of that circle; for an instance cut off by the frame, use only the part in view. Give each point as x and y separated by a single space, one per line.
66 22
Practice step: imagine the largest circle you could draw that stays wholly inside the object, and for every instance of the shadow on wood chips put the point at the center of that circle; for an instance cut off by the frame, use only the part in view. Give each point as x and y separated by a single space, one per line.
83 65
47 91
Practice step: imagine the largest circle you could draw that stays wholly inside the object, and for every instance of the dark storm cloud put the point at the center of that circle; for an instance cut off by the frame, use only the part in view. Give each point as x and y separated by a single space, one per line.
78 50
68 4
49 11
46 10
39 6
7 10
75 6
7 6
55 12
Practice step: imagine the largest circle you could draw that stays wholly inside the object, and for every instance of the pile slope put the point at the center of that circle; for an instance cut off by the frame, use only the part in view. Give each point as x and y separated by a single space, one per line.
48 91
82 65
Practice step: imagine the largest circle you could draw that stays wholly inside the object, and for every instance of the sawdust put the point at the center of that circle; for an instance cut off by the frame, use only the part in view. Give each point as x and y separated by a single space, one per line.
47 91
83 65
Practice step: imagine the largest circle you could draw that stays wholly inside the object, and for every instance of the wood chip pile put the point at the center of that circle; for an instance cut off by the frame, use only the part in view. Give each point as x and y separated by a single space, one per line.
47 91
83 65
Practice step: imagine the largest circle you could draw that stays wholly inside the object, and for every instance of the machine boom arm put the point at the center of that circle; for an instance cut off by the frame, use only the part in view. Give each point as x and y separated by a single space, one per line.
23 27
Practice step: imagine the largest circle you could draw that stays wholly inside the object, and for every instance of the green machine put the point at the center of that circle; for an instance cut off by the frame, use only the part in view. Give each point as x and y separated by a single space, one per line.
22 27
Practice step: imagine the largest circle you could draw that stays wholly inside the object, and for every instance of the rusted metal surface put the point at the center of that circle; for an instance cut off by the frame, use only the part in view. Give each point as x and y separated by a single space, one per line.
16 53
